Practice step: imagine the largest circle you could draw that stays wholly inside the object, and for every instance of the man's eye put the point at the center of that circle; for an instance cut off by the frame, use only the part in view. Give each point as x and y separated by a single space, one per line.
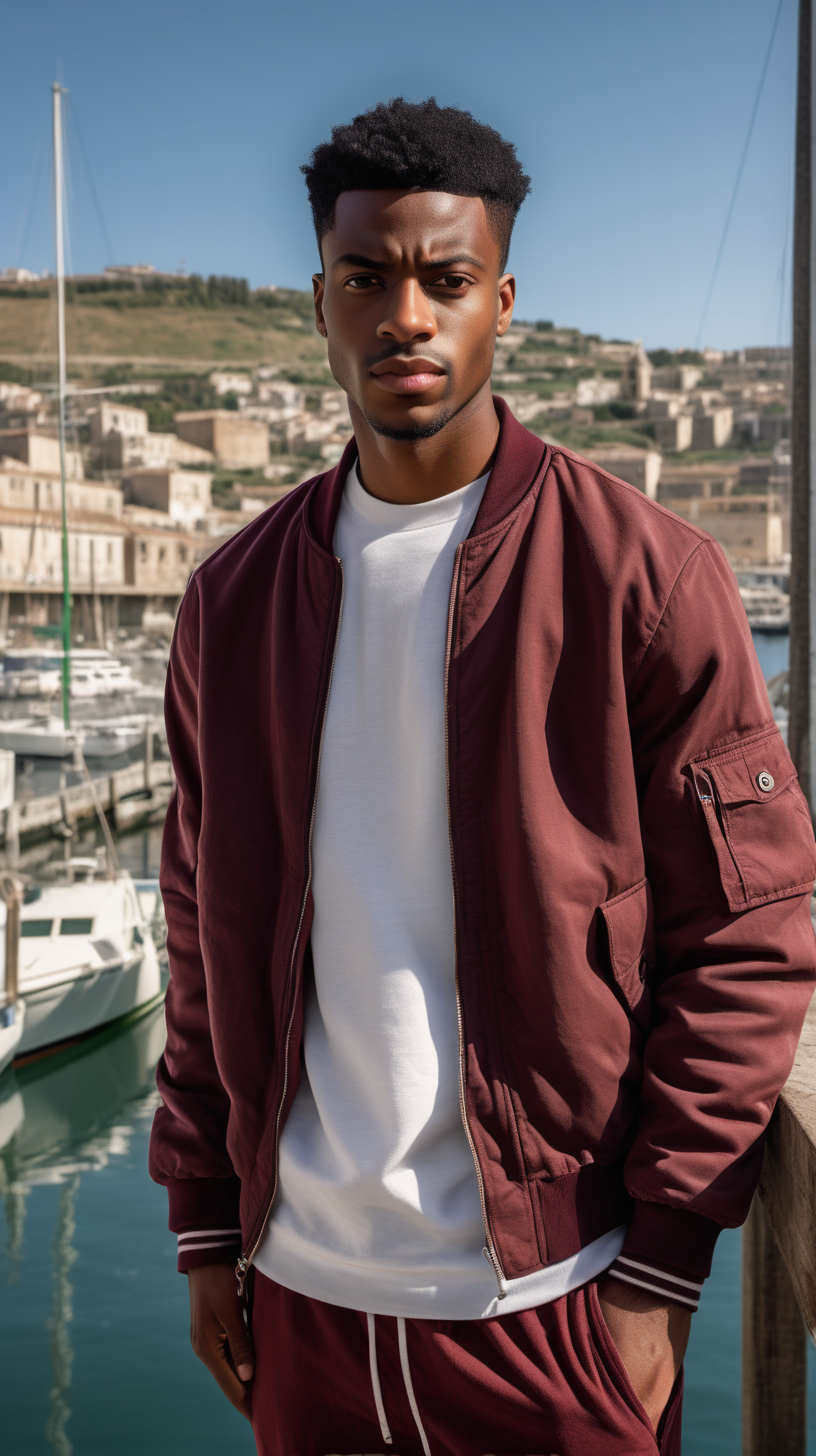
362 281
453 280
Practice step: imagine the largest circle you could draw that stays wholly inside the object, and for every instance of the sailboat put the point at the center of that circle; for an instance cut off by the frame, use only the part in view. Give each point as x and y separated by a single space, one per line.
80 953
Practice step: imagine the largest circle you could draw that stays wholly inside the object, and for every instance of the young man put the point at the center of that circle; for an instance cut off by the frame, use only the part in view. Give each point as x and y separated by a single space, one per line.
487 883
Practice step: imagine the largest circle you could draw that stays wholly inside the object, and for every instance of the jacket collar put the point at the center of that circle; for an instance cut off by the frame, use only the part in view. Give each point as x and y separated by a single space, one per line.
520 460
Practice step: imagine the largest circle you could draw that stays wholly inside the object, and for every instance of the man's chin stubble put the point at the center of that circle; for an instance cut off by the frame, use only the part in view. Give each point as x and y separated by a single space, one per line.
410 432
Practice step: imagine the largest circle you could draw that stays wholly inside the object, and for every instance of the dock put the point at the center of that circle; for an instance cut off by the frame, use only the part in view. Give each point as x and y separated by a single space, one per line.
128 797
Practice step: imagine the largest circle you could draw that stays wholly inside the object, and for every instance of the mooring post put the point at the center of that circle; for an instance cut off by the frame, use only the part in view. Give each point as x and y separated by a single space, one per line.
11 889
148 755
773 1347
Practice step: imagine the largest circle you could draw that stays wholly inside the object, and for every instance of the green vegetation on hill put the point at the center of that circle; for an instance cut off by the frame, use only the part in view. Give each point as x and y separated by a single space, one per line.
199 321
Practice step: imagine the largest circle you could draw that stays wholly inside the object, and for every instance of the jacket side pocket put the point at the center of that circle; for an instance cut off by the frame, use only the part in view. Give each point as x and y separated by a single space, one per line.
629 919
757 820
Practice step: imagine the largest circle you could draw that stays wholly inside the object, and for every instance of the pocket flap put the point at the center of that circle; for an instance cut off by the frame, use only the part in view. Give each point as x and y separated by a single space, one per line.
756 771
630 927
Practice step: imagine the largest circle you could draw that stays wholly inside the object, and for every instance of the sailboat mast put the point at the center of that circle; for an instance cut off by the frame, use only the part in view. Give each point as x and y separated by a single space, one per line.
59 214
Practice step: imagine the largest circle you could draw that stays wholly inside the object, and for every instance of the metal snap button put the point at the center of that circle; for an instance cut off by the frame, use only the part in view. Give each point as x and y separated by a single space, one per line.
765 782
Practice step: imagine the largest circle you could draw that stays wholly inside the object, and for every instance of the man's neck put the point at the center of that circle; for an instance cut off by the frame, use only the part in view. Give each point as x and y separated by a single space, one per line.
407 472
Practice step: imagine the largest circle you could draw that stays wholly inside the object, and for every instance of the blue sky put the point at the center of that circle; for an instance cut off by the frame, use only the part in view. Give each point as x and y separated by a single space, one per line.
630 116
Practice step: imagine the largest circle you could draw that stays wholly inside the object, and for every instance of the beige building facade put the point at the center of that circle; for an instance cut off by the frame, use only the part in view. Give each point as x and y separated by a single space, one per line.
40 452
124 419
235 441
158 562
31 551
183 495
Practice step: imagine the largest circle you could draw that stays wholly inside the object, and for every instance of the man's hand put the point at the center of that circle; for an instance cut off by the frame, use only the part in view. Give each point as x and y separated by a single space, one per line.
218 1333
650 1335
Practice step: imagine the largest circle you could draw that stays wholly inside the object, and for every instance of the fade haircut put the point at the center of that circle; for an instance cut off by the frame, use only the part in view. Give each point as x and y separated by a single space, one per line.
403 144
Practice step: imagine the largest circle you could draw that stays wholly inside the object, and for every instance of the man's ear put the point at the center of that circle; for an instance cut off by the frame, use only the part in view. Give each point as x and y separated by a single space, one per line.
318 286
507 299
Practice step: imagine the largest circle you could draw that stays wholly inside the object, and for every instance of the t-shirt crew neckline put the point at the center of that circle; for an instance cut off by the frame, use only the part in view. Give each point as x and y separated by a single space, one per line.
391 516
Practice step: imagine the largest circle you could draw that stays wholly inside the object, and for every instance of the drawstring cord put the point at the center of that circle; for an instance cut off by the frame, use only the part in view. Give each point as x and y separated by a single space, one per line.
406 1375
375 1379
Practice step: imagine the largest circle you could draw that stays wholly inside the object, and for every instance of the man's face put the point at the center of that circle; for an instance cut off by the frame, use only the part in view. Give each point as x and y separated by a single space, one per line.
411 302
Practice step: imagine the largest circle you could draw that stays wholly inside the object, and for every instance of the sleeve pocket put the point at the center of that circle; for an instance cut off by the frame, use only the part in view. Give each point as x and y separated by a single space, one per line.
630 930
757 819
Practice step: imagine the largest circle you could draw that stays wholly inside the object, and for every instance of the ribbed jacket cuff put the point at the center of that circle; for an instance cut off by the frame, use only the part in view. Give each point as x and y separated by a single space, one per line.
667 1251
204 1216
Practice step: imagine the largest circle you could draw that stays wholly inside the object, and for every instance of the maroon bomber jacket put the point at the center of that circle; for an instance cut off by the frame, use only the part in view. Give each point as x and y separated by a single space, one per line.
632 859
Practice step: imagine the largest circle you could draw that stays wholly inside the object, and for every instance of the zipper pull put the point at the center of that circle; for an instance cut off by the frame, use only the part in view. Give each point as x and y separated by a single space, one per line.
496 1270
241 1271
702 784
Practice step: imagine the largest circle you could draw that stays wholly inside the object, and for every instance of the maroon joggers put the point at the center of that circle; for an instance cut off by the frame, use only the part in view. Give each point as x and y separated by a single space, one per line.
546 1382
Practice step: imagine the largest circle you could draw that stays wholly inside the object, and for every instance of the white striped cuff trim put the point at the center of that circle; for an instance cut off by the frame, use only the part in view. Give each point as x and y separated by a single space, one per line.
206 1234
216 1244
657 1273
655 1288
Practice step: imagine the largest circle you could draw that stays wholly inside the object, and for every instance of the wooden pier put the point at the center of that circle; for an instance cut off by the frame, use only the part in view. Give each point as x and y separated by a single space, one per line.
129 796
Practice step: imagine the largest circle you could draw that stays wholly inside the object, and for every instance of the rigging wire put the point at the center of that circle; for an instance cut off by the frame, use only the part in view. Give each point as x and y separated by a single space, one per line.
105 234
740 171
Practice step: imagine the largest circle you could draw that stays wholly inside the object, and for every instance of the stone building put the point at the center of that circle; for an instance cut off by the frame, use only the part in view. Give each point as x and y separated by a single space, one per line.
31 550
123 419
185 496
40 452
24 488
712 428
640 468
636 375
750 528
674 432
158 562
235 441
152 451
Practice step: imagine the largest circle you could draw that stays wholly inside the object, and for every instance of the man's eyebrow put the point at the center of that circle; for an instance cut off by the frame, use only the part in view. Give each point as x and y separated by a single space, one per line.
357 260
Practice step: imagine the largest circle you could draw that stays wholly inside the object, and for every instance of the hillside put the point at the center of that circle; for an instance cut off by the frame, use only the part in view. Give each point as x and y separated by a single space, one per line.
181 325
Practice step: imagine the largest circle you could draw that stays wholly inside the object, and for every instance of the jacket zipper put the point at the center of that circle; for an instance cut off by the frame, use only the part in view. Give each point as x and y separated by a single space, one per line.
489 1250
243 1265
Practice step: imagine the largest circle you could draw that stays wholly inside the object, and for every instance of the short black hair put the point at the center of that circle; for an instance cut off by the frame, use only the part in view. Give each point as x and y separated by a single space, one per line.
404 144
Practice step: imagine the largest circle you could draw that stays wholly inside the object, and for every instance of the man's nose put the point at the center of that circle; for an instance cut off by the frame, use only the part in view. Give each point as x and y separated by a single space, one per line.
410 315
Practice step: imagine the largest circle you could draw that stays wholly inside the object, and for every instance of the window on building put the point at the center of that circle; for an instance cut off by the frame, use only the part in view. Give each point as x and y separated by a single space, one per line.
110 552
182 552
143 550
162 553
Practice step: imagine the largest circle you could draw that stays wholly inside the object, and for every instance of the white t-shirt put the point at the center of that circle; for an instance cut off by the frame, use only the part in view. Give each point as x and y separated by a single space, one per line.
378 1203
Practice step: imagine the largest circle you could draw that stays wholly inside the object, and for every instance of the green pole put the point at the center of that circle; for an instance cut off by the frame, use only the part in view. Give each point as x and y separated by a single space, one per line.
57 93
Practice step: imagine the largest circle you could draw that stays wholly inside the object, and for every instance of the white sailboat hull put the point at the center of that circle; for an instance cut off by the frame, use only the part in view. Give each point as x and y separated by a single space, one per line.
37 739
11 1036
72 1002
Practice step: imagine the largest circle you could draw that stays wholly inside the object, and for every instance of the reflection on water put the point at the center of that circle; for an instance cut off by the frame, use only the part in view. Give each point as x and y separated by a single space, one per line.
62 1119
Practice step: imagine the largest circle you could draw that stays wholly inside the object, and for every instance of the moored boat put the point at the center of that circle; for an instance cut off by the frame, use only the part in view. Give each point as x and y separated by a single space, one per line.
87 956
38 737
12 1024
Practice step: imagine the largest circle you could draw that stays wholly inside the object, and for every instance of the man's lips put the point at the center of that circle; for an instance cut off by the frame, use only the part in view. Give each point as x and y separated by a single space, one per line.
407 376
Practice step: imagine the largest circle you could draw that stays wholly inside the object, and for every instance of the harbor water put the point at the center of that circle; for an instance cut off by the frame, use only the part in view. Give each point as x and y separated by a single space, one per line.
94 1349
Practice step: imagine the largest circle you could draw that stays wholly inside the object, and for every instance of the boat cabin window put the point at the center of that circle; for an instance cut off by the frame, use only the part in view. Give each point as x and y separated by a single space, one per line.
35 927
76 926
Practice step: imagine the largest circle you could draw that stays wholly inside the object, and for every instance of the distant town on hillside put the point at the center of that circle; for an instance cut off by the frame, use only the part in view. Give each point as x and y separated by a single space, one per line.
194 404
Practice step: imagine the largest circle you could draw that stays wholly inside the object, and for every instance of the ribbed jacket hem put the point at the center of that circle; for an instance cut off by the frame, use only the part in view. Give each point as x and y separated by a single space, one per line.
204 1216
668 1252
